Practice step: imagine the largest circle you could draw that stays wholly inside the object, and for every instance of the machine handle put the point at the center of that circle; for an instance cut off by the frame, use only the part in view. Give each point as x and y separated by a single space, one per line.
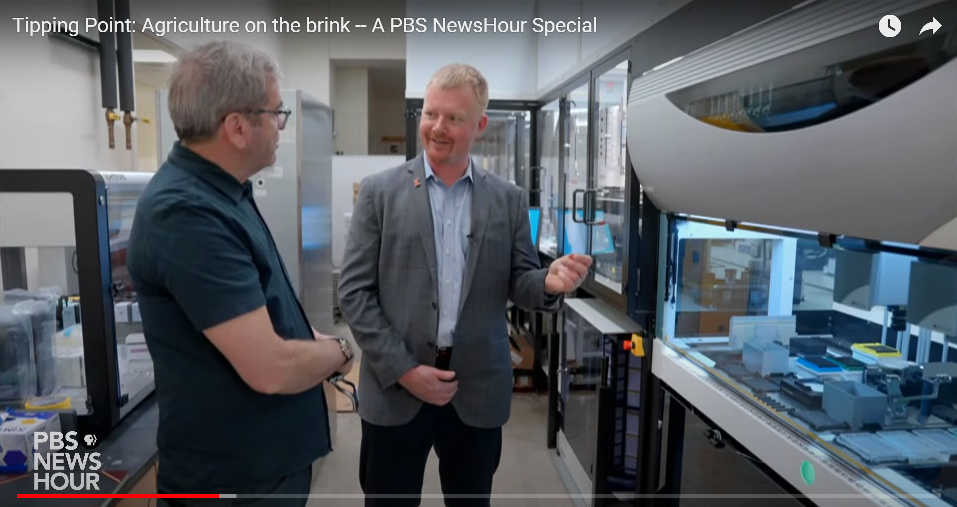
575 206
593 193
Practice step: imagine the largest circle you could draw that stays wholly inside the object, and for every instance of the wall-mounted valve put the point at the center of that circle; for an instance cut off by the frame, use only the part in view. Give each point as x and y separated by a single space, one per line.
128 123
111 118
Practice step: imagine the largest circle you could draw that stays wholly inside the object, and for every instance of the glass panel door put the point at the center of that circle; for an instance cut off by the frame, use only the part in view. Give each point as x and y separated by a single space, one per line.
575 169
609 177
501 149
550 148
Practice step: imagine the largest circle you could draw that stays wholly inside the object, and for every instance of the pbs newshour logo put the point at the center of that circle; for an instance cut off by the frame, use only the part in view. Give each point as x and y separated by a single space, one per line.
59 464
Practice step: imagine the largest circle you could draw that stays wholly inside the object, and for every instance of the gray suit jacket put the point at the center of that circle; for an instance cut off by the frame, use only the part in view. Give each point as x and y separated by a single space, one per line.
388 292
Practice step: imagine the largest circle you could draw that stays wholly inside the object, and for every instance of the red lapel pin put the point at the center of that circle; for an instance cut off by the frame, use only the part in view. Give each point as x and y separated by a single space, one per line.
416 183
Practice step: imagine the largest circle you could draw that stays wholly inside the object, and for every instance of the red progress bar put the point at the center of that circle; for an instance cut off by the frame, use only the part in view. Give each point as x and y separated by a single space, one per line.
68 495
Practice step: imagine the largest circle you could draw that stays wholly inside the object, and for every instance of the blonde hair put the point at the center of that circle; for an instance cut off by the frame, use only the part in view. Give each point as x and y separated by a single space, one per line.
457 75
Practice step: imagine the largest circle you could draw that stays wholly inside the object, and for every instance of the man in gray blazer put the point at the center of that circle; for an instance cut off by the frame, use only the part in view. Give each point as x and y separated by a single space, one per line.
436 249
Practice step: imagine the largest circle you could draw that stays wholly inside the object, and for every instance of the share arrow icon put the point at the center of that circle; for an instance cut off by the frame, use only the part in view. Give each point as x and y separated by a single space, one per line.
933 25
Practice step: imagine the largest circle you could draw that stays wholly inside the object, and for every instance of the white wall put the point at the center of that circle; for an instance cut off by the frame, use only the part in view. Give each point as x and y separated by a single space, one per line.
150 77
561 56
50 114
146 134
507 60
347 170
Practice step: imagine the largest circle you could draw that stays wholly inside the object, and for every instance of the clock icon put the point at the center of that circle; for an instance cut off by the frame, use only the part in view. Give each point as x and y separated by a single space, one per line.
890 26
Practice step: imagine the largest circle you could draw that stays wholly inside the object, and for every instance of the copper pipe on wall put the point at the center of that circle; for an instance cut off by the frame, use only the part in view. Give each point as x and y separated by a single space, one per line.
104 10
128 122
111 117
124 62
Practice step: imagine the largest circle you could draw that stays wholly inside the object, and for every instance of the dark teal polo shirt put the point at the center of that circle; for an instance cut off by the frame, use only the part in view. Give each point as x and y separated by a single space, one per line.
201 254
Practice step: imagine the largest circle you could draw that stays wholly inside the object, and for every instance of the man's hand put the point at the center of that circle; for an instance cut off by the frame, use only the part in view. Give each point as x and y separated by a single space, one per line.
430 385
567 273
347 366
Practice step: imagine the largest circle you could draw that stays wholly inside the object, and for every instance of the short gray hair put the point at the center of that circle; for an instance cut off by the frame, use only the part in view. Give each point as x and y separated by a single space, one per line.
458 75
214 80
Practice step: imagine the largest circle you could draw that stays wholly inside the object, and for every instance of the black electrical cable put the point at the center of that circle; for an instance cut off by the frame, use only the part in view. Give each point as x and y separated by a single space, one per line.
337 380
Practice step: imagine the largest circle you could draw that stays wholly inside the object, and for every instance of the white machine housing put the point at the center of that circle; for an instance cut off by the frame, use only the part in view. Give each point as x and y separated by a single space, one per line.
887 171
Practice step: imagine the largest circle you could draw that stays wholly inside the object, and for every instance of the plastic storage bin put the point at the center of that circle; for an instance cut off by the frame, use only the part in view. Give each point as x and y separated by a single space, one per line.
854 403
765 358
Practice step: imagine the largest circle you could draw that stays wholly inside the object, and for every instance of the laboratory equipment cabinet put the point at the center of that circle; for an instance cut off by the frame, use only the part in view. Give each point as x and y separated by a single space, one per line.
594 200
808 291
70 330
599 397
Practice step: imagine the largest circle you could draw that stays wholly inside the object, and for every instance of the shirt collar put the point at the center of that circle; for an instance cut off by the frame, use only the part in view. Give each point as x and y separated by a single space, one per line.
193 163
430 174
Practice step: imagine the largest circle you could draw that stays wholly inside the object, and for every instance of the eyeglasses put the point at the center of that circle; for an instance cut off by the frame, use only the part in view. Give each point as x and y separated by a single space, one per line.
282 115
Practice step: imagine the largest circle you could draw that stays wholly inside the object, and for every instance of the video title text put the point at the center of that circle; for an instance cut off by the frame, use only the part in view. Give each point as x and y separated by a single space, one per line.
161 27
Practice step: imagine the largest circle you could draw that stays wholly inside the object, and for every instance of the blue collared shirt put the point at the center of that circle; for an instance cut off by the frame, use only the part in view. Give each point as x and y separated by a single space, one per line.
451 223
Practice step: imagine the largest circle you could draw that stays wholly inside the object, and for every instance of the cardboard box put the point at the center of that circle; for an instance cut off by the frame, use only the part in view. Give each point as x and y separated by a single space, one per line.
523 361
523 355
16 438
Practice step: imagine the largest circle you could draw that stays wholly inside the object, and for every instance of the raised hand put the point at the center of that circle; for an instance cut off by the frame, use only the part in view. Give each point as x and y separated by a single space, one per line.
567 273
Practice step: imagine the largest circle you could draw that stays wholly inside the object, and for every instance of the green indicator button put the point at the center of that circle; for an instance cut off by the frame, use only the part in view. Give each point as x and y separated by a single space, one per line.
807 472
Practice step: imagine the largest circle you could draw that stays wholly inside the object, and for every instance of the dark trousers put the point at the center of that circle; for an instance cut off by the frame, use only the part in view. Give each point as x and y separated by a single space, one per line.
289 491
392 459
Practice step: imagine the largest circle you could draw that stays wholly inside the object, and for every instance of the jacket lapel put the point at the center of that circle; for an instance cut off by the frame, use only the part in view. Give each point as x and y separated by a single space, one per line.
481 201
422 213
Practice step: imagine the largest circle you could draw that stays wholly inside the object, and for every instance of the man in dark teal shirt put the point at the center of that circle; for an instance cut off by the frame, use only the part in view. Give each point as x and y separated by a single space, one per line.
238 367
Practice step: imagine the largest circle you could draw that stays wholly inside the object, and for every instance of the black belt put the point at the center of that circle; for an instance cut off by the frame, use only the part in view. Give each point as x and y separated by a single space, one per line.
443 356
